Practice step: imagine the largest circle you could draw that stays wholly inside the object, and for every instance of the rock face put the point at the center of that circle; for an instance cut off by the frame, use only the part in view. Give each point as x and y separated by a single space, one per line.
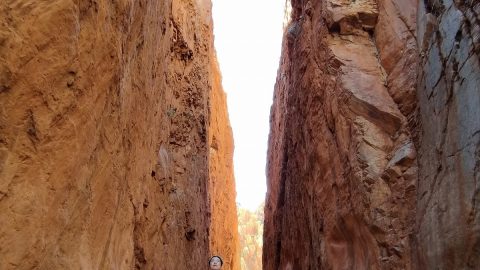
345 188
448 206
106 136
224 238
342 166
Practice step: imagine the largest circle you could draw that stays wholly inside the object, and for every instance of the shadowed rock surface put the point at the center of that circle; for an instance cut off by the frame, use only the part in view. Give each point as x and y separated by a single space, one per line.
362 173
448 206
107 114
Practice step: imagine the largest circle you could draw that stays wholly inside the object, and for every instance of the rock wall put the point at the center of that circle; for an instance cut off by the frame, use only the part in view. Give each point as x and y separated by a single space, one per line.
105 135
363 86
224 238
448 207
342 167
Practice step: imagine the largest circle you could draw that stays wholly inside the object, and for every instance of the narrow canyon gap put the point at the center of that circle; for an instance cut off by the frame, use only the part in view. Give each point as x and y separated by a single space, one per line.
374 152
116 148
115 143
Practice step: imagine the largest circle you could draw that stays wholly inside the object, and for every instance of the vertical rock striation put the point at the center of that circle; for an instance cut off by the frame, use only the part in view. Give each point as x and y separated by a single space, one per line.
364 86
342 167
105 131
224 239
448 207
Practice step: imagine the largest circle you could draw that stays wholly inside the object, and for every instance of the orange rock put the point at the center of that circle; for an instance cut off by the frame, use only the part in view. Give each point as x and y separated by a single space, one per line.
105 136
224 239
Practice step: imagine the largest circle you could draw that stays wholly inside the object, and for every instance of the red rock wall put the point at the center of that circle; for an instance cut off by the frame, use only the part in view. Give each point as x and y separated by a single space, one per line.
364 86
104 135
342 168
448 206
224 238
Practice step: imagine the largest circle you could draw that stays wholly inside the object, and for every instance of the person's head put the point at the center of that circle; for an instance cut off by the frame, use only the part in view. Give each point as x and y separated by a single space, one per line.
215 262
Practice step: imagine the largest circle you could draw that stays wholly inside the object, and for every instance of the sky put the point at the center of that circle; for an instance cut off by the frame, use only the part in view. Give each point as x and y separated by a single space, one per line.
248 37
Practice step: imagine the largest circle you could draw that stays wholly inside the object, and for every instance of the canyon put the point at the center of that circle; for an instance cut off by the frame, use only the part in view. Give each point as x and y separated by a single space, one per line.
116 149
373 159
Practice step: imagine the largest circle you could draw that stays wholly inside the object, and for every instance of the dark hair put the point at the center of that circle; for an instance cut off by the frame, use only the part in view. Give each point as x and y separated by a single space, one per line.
221 260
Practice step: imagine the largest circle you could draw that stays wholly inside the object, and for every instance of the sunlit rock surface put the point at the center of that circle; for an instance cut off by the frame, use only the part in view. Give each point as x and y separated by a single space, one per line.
224 238
105 136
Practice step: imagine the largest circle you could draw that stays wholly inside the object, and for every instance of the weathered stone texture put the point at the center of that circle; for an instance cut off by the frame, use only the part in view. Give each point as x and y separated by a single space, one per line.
374 151
105 135
342 168
224 238
448 215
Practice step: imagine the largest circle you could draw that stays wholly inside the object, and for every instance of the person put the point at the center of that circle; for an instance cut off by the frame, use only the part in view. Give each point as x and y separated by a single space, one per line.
215 262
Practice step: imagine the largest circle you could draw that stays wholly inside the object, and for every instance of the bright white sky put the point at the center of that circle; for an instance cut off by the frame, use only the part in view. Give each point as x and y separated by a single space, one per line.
248 37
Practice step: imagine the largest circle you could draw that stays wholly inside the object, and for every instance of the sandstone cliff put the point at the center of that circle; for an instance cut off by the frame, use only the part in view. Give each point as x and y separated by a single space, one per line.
224 238
105 136
346 127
